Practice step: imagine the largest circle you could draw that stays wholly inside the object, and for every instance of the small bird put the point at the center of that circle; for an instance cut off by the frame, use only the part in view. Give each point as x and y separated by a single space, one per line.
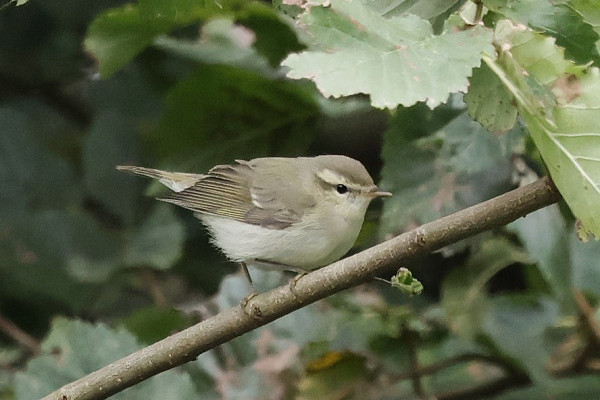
293 214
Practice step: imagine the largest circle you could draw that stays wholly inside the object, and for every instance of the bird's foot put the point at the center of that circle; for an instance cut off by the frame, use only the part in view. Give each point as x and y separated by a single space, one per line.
251 310
294 281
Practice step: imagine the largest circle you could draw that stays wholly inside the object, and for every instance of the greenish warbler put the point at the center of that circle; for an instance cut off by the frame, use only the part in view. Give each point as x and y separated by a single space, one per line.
278 213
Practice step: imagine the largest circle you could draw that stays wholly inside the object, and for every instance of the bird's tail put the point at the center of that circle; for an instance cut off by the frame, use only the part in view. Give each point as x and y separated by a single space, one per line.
176 181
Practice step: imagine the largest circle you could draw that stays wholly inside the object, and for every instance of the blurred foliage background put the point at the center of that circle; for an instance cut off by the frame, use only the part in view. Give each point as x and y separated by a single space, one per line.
92 268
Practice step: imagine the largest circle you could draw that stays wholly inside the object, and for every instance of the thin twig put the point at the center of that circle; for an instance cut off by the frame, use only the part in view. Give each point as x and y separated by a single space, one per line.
452 361
588 315
514 377
581 345
414 365
11 330
266 307
486 389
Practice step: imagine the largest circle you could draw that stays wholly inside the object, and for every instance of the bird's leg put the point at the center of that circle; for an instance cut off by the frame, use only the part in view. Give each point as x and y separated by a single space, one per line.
292 283
255 312
247 274
270 265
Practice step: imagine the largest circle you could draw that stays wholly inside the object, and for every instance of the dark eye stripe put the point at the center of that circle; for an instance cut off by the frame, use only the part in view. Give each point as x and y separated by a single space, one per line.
341 189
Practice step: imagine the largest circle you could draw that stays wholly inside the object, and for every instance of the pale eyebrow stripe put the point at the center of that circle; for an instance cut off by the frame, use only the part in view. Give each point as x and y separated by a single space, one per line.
330 177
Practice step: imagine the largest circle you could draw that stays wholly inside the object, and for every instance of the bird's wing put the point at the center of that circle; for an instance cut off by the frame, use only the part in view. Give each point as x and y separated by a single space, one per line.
252 192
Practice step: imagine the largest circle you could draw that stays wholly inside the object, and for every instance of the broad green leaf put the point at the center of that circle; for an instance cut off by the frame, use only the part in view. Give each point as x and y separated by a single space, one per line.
518 328
544 235
267 25
246 41
221 113
54 256
221 42
536 53
422 9
565 130
464 296
75 348
111 141
488 101
395 60
557 20
584 260
118 35
158 242
590 12
151 324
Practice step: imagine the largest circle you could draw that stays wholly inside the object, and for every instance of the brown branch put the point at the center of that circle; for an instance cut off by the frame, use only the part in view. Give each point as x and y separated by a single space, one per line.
266 307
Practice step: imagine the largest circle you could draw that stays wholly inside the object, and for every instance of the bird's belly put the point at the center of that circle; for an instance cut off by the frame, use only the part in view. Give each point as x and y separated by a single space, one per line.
301 246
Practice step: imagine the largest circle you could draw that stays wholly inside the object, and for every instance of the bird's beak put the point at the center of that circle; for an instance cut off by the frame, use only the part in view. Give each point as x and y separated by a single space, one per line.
376 193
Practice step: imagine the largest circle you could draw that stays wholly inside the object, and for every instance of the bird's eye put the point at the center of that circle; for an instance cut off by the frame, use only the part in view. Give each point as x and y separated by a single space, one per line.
341 189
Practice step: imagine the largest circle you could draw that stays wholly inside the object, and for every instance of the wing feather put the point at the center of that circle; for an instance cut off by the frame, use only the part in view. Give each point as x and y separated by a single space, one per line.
259 192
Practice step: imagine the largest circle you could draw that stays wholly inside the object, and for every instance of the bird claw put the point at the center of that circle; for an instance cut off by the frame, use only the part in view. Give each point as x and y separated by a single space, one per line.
254 310
294 281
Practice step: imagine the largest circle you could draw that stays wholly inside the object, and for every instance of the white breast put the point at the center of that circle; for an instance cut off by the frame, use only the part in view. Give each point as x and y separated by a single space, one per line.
306 245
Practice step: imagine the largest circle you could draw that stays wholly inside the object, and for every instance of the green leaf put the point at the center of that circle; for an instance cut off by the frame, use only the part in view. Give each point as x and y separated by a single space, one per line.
75 348
422 9
152 324
119 34
395 60
488 99
544 235
584 260
590 12
221 42
431 176
267 25
558 20
463 293
158 242
221 113
518 328
404 281
536 53
489 102
563 125
246 41
116 36
54 256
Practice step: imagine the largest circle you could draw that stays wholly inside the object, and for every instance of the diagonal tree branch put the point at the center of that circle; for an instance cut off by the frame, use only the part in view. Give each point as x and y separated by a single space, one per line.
264 308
